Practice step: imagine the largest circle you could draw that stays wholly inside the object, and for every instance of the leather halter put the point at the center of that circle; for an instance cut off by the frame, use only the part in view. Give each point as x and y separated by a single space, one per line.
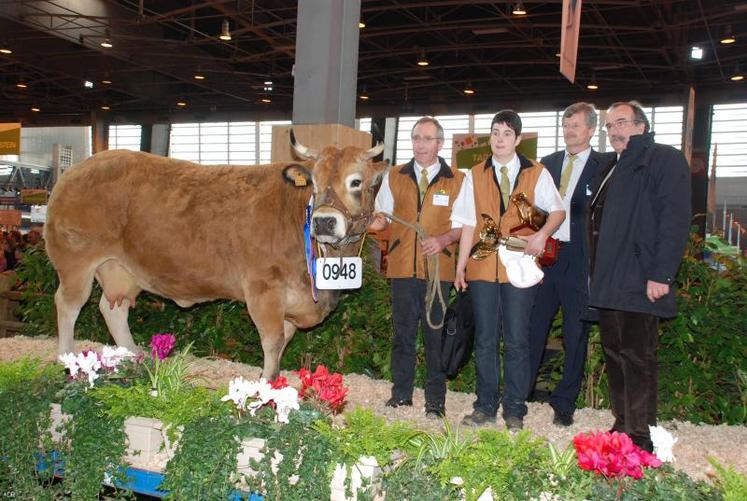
329 198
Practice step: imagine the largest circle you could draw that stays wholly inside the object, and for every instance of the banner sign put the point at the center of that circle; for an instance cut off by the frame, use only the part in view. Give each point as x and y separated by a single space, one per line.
471 149
569 29
38 214
10 218
34 196
10 139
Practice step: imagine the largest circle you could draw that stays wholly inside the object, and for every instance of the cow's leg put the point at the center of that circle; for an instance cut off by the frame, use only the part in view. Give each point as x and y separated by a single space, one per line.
274 332
116 321
71 295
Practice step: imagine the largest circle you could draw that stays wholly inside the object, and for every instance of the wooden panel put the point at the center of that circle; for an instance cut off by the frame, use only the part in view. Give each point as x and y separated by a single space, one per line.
315 136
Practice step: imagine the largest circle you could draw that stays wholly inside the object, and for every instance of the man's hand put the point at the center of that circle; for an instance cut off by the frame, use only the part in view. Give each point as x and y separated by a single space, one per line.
535 244
656 290
433 245
378 223
460 283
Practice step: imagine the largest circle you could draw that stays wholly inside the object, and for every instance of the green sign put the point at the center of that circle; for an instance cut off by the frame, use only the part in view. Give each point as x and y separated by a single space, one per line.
472 149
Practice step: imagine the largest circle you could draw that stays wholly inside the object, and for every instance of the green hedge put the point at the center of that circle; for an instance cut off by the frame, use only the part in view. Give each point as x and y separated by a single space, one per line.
703 376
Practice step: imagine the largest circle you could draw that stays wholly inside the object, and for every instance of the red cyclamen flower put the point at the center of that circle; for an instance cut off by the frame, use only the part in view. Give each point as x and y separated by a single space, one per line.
161 345
612 455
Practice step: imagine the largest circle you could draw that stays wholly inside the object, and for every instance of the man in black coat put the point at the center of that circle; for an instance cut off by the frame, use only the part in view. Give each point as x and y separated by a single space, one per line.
639 222
565 283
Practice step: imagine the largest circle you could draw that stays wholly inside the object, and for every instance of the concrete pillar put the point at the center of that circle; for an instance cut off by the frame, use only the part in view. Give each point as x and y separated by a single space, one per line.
326 69
99 133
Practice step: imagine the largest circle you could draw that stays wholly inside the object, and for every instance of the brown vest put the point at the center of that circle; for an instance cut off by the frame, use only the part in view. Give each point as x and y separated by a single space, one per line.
405 259
488 201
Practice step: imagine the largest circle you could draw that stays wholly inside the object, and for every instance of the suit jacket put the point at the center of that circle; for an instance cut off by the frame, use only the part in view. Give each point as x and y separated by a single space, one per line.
578 251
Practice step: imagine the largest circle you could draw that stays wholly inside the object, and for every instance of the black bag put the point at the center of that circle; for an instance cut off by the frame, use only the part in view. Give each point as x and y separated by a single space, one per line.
458 335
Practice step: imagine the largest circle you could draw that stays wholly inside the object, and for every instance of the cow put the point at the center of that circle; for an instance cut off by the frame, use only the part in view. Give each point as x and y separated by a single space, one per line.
191 233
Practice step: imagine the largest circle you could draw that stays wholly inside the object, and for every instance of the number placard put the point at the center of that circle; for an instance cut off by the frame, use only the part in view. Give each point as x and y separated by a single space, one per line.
336 273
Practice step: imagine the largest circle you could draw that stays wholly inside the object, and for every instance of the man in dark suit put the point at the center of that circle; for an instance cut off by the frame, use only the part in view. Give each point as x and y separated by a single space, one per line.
565 283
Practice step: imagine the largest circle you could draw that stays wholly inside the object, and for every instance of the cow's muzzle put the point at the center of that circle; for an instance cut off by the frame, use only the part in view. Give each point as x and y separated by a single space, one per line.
329 227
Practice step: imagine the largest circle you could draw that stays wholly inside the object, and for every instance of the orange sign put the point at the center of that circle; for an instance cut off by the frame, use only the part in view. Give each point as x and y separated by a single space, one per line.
569 29
10 217
34 196
10 139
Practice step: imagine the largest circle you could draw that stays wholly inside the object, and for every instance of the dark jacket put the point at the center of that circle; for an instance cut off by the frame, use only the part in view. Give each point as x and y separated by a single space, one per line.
578 250
644 228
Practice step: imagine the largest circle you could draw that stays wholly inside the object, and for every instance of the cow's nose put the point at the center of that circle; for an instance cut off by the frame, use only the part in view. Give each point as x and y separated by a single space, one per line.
324 225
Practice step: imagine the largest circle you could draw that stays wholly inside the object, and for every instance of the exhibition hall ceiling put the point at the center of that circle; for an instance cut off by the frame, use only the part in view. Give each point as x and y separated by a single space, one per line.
160 58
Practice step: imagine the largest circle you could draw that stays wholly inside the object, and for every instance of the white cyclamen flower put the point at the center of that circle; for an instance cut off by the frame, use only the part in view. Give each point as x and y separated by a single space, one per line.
239 390
111 357
262 392
89 363
286 400
663 442
70 362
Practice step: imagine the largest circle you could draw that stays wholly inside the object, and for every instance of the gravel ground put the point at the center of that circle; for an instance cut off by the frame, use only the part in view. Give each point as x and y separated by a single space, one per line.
727 444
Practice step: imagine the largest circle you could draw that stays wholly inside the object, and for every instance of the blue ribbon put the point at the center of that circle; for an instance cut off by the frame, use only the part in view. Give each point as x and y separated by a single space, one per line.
309 248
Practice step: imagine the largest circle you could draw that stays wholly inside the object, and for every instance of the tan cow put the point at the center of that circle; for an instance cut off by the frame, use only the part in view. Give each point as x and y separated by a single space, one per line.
191 233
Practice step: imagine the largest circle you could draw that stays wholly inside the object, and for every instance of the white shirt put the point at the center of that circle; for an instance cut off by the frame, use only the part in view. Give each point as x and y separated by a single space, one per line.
546 195
384 199
563 233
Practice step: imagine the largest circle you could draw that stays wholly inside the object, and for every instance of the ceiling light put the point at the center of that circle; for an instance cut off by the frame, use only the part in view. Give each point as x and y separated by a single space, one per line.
696 52
106 43
728 37
181 103
88 84
361 24
468 89
557 54
267 84
519 9
106 81
593 84
737 76
5 50
225 32
363 96
266 100
105 107
21 85
422 60
35 109
199 76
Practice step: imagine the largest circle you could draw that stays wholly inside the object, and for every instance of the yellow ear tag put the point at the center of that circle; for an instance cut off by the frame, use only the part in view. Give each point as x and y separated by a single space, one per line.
300 179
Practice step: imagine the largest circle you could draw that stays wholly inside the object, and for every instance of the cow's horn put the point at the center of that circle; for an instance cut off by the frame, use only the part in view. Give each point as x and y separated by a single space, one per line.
376 150
301 150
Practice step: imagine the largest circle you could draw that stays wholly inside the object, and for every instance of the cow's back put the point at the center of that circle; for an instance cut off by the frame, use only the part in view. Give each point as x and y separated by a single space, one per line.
186 231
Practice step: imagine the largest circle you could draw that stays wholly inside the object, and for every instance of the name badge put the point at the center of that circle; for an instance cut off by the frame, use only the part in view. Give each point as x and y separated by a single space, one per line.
336 273
588 191
441 199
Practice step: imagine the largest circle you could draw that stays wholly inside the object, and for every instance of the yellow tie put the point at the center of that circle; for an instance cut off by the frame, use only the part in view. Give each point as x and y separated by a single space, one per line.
423 184
565 177
505 186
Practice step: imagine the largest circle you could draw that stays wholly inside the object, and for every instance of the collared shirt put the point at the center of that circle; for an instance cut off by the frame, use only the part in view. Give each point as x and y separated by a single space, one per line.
546 195
563 233
384 199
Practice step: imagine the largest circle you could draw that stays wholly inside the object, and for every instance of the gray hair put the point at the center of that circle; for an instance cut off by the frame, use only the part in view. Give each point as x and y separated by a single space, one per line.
431 120
587 109
638 114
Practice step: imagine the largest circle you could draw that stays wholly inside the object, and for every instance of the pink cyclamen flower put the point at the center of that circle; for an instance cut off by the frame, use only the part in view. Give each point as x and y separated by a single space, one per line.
161 345
612 455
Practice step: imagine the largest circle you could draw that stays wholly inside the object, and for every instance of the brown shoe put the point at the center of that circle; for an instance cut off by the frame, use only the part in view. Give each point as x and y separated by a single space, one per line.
477 418
514 423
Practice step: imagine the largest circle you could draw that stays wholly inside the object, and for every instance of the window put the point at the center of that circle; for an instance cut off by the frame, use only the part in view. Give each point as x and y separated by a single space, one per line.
363 124
729 132
666 122
452 124
214 142
265 140
125 137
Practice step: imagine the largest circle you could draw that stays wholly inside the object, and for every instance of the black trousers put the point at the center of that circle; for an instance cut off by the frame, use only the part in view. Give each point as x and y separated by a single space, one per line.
408 310
561 287
630 341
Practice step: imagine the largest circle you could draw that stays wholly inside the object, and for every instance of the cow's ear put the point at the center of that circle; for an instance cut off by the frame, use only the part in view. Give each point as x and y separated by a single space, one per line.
297 174
377 170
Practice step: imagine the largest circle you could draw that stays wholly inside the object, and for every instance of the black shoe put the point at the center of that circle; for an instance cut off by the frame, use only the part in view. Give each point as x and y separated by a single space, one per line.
514 423
434 414
397 402
477 418
562 419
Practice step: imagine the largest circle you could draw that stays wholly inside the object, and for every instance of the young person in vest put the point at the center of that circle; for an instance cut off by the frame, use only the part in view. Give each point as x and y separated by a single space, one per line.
502 310
566 282
422 191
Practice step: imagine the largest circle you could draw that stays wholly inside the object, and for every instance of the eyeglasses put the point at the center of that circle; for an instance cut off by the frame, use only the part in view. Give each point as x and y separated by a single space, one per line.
424 139
617 124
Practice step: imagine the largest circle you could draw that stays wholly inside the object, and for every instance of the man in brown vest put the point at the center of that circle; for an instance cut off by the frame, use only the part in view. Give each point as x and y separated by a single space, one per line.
501 308
422 191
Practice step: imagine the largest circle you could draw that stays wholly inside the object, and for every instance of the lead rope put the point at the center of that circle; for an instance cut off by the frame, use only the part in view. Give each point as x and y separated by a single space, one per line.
433 283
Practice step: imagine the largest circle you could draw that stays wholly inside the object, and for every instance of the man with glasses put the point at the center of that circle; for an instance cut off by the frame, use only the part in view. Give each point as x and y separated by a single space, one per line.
502 309
422 191
566 282
639 222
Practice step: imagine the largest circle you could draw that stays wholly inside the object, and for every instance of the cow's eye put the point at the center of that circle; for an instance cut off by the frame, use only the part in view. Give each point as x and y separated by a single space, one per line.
356 183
